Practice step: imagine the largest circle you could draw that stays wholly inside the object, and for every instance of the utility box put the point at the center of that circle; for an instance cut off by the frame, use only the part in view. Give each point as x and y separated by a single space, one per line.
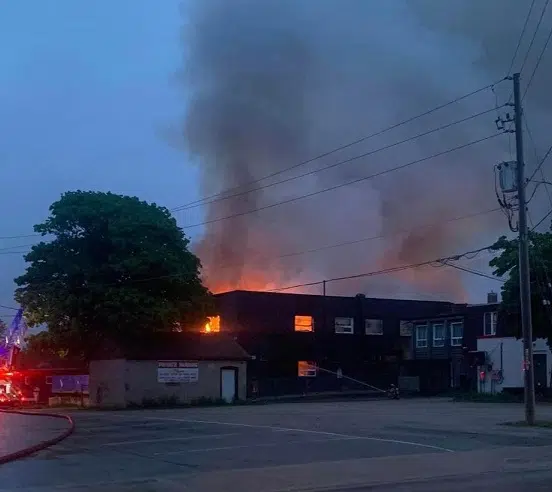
492 298
507 176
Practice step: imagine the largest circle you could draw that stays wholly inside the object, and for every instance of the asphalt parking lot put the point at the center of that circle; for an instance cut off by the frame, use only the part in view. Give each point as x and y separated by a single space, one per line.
273 446
19 431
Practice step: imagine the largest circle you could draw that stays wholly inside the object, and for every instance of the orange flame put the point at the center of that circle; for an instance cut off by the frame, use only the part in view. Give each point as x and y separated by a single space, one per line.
252 279
212 325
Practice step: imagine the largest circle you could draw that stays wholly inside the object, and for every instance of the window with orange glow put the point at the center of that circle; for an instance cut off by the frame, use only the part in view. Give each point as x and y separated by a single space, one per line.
306 369
304 323
212 325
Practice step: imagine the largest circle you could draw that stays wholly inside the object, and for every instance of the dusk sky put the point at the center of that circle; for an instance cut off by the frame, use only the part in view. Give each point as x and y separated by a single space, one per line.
88 94
90 97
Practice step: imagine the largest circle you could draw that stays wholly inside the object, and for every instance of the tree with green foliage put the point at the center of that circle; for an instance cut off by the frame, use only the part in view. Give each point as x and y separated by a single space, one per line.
45 348
110 267
540 261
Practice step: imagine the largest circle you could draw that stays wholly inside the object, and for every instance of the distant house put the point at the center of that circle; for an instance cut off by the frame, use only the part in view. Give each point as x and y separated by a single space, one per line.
443 351
176 367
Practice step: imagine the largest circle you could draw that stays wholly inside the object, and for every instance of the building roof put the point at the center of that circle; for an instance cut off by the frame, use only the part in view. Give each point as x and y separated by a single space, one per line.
179 346
270 311
458 310
268 294
454 310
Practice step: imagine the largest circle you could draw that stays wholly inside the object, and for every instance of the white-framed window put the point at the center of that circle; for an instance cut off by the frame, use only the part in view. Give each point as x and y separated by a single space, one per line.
489 323
344 325
405 329
304 323
421 335
456 333
439 334
373 327
306 369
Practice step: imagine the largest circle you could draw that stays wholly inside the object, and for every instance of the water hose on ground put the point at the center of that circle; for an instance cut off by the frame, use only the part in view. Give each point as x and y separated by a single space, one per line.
25 452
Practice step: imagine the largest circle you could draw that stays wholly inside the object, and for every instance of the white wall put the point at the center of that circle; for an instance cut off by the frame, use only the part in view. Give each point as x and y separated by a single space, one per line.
512 361
107 383
117 383
141 382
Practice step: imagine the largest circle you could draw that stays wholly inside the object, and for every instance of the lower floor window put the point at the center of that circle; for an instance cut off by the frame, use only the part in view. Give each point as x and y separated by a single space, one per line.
306 369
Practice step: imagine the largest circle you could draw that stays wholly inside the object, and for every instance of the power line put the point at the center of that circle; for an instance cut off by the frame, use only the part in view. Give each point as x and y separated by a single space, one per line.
383 271
345 146
474 272
536 188
8 307
340 163
539 59
17 246
530 134
521 36
546 183
304 252
539 165
384 236
335 187
349 243
320 156
535 32
20 236
542 220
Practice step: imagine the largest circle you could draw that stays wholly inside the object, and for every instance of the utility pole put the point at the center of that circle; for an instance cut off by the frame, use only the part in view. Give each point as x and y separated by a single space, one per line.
524 274
324 323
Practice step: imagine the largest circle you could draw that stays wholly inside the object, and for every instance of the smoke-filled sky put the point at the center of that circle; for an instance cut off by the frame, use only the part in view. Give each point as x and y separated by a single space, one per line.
175 100
272 83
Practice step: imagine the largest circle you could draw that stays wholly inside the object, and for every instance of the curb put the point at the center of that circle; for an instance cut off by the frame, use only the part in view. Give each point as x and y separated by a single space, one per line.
25 452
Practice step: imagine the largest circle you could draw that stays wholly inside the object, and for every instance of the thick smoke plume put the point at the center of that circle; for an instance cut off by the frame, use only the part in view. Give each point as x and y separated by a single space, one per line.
274 82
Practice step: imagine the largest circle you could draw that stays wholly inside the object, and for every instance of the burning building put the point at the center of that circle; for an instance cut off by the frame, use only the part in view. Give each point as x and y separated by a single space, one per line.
311 343
357 336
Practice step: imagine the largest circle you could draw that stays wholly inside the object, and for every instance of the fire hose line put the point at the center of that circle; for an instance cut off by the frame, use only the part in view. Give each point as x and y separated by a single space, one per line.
25 452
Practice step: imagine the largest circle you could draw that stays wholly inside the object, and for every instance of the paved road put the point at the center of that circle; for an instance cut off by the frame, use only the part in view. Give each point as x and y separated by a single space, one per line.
536 481
303 446
21 431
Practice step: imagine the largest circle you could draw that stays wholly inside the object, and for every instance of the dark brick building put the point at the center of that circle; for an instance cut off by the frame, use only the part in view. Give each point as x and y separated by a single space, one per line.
300 342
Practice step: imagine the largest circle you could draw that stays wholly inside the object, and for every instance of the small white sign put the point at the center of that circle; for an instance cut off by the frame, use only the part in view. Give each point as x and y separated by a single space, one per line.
177 371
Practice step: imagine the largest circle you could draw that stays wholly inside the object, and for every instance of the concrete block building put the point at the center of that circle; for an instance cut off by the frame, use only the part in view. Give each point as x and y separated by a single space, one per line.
176 367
